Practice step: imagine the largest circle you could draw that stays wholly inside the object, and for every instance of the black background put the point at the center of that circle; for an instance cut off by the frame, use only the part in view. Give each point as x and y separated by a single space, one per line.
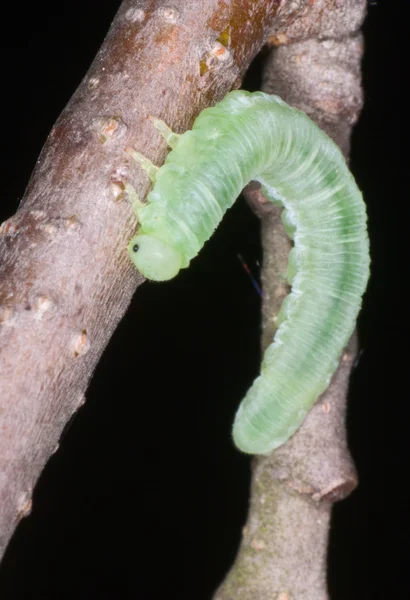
147 496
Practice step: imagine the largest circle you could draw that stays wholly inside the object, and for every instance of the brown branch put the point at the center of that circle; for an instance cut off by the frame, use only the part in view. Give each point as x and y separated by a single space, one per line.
66 280
282 555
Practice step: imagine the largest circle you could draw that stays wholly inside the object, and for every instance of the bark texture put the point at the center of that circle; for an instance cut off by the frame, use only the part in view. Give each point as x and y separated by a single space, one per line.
283 551
65 278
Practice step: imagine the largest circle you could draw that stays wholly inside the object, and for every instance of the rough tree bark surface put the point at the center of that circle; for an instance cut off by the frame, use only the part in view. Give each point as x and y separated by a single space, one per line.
282 555
65 279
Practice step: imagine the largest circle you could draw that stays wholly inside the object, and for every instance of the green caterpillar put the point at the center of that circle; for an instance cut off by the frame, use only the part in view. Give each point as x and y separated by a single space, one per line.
255 136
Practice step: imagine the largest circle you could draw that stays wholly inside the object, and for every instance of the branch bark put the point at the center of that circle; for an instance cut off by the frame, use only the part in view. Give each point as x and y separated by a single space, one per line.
66 280
282 555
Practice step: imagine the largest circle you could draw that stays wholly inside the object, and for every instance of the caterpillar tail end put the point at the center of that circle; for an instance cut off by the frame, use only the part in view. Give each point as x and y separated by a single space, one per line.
252 434
251 442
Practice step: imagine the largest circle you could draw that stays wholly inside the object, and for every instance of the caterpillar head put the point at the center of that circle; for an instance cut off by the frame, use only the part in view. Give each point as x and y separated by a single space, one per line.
154 258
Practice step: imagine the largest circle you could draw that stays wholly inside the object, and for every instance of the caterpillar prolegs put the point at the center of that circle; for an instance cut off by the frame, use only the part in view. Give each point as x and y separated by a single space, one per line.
255 136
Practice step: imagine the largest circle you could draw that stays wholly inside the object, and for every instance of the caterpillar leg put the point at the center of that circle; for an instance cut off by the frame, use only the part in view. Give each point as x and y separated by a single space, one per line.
134 199
166 132
145 163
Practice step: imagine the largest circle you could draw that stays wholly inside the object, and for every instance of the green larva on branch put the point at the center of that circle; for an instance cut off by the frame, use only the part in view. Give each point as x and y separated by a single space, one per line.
255 136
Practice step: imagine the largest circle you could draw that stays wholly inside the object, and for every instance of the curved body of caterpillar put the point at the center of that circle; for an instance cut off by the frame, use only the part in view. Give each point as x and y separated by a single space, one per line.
255 136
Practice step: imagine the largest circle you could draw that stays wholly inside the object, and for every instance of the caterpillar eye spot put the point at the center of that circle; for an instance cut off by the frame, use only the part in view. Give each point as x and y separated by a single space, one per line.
154 258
